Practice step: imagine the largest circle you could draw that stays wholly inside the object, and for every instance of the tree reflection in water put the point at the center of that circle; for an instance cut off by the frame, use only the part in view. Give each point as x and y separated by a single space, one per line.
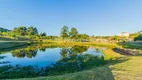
3 62
24 53
72 60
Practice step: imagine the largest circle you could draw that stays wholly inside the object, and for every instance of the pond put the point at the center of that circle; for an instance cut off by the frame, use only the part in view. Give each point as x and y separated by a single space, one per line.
37 60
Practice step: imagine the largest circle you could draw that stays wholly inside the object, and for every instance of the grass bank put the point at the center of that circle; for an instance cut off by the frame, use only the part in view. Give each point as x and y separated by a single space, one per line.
125 68
131 45
96 73
62 43
10 45
128 68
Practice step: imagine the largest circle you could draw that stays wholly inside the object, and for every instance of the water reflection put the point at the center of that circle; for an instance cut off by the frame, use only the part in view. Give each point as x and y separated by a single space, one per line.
40 61
24 53
3 62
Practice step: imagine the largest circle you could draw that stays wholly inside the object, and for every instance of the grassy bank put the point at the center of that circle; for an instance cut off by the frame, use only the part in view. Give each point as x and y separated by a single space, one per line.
129 68
10 45
118 67
131 45
96 73
62 43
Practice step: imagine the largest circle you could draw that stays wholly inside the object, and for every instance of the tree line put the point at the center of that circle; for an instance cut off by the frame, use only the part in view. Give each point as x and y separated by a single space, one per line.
33 32
72 34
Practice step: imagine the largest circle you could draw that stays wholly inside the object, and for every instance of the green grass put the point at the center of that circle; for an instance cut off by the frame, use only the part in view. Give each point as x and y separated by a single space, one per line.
129 70
11 45
131 45
6 38
61 43
7 43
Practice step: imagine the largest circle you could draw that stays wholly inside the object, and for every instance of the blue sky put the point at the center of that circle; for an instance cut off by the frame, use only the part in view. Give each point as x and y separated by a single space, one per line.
94 17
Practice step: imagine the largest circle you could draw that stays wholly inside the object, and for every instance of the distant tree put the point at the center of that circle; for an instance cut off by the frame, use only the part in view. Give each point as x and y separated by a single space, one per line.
19 31
64 32
43 34
30 31
85 36
82 36
73 33
36 31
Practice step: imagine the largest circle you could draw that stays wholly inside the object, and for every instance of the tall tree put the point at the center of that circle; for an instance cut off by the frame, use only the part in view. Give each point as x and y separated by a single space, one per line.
35 31
73 32
20 30
43 34
64 32
32 31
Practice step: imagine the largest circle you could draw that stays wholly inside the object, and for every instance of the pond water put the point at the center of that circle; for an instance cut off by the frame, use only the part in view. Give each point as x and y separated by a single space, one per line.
51 60
44 57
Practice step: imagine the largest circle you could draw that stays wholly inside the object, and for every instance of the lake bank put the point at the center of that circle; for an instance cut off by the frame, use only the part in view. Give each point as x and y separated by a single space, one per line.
118 68
67 52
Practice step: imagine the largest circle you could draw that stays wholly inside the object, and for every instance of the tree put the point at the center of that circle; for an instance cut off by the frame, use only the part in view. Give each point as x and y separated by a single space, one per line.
82 36
36 31
43 34
20 30
64 32
73 32
30 31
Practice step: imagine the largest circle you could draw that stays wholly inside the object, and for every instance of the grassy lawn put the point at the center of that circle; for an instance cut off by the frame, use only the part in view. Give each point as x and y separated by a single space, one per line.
129 70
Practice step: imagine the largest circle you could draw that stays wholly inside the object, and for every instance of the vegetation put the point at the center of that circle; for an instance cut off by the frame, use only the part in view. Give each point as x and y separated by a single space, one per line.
9 45
72 62
3 30
131 45
73 35
95 73
138 38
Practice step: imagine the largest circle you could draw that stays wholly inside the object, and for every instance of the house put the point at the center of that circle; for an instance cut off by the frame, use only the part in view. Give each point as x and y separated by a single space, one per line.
125 34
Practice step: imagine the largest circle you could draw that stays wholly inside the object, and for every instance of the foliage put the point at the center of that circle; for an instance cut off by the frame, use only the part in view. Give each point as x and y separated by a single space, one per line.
3 30
23 31
82 37
43 34
138 38
73 33
64 32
